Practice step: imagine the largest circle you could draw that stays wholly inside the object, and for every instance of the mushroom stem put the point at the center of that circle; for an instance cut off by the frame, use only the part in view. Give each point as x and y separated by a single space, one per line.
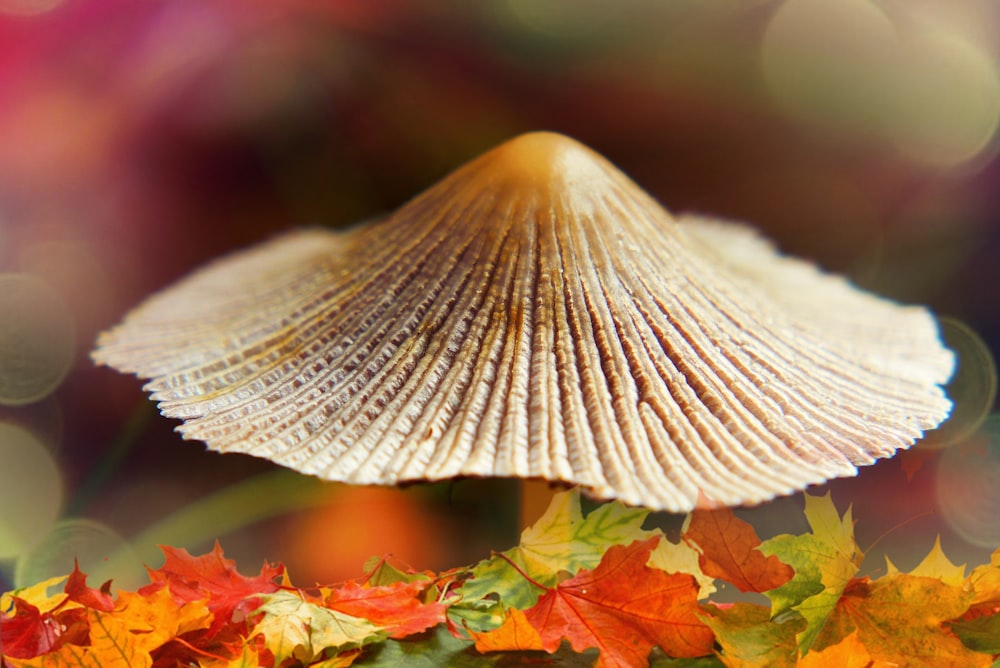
536 495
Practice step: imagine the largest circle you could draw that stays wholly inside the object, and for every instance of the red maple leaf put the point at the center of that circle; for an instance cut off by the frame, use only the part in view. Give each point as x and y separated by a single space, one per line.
624 608
214 579
77 590
27 632
396 607
728 551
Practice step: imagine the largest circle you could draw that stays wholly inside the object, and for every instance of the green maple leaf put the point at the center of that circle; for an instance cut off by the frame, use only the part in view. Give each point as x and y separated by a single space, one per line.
750 638
981 634
437 647
296 628
561 541
824 560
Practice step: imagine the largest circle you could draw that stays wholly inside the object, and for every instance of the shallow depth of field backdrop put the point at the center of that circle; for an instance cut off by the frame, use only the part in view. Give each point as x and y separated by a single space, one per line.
140 139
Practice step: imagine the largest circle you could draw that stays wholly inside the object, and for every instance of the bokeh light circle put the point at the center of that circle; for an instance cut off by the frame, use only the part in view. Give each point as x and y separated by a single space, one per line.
949 100
968 486
830 61
36 339
98 549
972 388
30 490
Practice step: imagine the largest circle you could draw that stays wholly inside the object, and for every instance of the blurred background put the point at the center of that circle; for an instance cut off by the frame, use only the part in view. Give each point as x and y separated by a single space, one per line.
140 139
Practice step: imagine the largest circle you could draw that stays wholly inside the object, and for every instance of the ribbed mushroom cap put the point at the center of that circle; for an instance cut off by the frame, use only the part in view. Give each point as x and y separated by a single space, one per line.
537 315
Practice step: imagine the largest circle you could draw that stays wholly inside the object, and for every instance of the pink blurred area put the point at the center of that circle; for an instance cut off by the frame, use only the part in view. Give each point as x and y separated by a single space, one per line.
141 139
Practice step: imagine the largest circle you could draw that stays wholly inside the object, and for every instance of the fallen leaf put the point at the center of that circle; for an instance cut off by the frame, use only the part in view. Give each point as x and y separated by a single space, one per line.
28 632
78 592
247 658
432 649
624 608
984 581
294 628
396 607
728 551
848 653
981 634
516 633
682 558
749 639
156 618
899 619
824 562
934 565
112 643
561 541
213 578
37 595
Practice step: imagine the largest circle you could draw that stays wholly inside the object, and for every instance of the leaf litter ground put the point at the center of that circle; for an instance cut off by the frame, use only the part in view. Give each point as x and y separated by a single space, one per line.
579 590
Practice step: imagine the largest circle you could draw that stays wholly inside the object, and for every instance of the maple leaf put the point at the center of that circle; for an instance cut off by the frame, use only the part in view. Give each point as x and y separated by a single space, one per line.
561 541
248 657
396 607
848 653
824 562
156 618
934 565
112 643
37 595
728 551
516 633
899 619
295 628
980 634
28 632
682 558
979 626
381 571
432 649
623 608
749 639
984 581
213 578
78 591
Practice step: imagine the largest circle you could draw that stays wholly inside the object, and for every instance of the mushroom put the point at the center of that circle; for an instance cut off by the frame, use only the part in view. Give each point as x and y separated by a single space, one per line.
537 315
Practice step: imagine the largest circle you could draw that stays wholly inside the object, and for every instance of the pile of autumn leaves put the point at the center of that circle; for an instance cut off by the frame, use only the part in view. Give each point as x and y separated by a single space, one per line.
577 591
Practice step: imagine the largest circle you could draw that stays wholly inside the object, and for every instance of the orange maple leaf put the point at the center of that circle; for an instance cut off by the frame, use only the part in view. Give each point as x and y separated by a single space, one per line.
516 633
214 579
622 607
728 551
396 607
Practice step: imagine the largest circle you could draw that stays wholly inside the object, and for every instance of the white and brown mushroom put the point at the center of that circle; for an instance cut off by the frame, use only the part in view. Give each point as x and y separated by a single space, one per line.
537 315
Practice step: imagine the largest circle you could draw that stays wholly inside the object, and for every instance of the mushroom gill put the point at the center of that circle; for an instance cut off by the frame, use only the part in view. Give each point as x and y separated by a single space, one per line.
537 315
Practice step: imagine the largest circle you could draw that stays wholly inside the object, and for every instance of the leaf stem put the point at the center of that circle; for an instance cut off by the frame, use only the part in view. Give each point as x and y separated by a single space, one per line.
523 574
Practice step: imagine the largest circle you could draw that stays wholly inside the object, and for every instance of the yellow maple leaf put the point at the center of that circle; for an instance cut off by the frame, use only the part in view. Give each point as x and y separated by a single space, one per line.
984 581
37 595
935 565
899 619
681 558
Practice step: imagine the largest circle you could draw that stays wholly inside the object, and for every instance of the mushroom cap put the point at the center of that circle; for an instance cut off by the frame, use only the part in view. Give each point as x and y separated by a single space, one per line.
536 314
